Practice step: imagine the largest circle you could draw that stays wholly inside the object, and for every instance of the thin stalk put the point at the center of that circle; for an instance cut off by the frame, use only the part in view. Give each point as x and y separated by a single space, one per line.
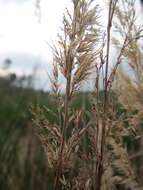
105 101
97 118
59 168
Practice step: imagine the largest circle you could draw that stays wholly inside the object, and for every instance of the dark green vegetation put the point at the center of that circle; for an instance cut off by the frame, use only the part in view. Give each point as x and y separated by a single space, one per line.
22 161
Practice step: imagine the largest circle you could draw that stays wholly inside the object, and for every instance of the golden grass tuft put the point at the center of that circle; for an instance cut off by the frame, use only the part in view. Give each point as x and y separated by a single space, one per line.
96 147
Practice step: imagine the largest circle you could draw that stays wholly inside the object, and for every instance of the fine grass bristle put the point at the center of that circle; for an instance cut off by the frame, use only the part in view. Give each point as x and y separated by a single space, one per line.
83 148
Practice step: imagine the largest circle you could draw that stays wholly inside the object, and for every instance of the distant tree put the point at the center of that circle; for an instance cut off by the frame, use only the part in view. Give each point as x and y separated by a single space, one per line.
7 63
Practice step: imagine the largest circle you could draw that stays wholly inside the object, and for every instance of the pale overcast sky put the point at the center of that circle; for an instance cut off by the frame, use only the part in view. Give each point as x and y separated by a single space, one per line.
20 31
23 38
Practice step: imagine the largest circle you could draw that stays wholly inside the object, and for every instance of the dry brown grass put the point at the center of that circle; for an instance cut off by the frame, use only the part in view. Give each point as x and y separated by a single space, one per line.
82 49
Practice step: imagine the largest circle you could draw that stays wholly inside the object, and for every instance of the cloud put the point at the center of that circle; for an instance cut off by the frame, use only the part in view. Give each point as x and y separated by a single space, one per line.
19 30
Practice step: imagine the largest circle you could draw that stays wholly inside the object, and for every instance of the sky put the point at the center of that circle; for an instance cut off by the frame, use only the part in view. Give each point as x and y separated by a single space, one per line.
20 31
24 39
